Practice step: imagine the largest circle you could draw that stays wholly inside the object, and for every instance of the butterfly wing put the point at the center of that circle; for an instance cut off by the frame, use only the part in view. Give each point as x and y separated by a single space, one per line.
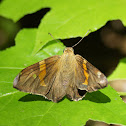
42 79
89 77
85 77
49 79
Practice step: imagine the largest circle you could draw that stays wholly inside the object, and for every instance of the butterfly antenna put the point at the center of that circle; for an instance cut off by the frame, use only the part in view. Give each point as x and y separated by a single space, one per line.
54 39
82 38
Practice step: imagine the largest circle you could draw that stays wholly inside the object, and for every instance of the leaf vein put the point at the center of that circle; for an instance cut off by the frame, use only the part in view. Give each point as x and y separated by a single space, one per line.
45 113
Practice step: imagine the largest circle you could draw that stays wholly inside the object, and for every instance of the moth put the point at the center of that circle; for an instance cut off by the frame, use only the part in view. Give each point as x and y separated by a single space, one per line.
59 76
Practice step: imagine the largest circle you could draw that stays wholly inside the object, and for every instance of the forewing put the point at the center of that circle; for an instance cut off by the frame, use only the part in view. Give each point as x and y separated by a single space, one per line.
41 79
89 78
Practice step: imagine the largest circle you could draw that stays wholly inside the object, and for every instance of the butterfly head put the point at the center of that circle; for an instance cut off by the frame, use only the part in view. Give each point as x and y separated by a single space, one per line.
68 50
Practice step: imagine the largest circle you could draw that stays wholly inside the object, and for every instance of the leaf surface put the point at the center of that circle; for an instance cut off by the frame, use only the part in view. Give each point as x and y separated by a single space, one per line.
18 108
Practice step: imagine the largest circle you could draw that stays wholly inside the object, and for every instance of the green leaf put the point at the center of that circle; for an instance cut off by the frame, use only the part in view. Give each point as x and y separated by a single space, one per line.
23 109
66 18
120 71
16 9
75 20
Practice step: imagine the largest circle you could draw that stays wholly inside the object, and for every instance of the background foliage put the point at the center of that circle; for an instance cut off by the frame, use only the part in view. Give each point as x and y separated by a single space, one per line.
66 19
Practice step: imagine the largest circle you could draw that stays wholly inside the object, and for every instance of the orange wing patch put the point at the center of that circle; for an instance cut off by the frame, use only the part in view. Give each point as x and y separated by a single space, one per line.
85 73
42 74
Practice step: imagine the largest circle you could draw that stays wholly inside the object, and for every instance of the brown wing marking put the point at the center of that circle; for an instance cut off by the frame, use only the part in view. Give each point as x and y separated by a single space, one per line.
97 79
36 79
93 78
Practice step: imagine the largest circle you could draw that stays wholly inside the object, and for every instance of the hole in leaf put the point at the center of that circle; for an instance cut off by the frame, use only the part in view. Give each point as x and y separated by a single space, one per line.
82 92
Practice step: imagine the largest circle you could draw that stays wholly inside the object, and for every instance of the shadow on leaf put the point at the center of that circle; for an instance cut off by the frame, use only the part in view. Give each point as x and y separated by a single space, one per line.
30 97
97 97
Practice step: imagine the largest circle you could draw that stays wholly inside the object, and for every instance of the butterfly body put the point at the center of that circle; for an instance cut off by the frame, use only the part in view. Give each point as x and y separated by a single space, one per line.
58 76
